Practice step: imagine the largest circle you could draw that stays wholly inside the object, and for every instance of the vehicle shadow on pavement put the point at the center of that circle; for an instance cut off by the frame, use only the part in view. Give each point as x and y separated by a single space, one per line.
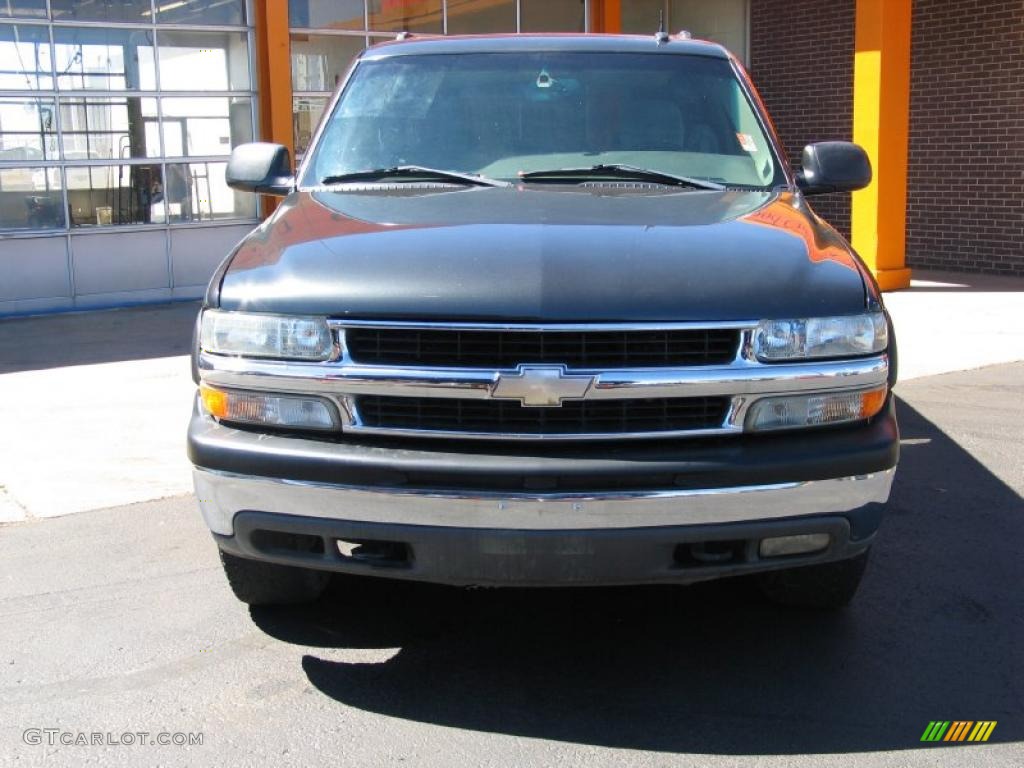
935 633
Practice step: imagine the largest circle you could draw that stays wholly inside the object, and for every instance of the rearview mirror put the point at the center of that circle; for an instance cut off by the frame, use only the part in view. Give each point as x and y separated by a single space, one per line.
261 167
833 166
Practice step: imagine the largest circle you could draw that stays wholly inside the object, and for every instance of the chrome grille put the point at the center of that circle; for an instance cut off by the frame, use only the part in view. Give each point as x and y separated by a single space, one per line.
582 417
494 349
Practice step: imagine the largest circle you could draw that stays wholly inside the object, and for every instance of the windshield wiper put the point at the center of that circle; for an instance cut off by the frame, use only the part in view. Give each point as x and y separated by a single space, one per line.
414 172
619 171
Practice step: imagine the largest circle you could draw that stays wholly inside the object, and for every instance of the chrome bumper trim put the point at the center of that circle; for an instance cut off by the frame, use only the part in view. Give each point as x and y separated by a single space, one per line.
221 495
739 378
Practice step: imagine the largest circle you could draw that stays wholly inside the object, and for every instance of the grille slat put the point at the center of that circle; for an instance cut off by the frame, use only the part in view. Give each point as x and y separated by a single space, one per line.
574 417
442 348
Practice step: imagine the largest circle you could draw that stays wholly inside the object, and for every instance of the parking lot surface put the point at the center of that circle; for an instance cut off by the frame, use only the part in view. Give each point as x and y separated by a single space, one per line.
119 621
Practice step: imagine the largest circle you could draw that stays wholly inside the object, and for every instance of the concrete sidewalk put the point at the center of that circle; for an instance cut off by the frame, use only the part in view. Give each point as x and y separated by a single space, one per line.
94 406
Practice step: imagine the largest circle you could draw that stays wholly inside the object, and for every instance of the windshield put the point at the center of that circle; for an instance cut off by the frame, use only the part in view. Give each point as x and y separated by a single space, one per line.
505 114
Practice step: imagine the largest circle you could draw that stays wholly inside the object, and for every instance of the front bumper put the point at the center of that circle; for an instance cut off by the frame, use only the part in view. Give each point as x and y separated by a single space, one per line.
574 515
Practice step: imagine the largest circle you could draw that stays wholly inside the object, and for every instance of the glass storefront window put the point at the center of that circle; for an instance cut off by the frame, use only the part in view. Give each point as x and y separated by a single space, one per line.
99 59
113 107
319 61
198 192
215 12
25 61
100 195
326 14
30 198
205 125
203 61
31 9
409 15
476 17
137 11
109 128
28 130
552 15
306 114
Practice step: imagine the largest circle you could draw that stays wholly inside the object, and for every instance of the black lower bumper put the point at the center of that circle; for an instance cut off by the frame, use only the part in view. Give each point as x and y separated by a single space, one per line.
492 557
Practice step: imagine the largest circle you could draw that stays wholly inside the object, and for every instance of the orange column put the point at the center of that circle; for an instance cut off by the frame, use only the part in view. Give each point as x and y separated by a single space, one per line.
881 124
606 16
274 77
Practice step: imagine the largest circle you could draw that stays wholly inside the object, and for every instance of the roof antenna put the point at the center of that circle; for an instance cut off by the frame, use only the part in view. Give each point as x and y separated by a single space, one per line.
403 35
661 36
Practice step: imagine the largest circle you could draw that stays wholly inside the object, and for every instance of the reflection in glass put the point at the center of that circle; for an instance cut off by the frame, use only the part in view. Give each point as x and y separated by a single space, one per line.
30 198
109 128
198 192
25 61
411 16
115 194
99 59
204 61
138 11
319 61
205 125
32 9
306 113
552 15
28 130
474 17
212 12
326 14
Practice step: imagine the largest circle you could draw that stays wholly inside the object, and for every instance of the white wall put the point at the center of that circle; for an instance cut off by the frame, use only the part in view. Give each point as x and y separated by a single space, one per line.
110 268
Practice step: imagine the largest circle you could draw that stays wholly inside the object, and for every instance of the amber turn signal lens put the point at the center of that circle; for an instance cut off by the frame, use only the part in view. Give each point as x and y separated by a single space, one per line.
871 402
214 401
268 409
818 409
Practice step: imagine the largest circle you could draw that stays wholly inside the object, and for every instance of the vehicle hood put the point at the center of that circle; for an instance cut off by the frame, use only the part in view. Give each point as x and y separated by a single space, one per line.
555 254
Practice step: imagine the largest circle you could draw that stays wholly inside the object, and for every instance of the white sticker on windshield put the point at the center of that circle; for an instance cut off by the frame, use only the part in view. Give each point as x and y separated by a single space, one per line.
747 142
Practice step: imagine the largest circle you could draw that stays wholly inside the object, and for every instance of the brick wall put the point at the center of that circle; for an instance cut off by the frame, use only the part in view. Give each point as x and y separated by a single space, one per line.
965 207
801 59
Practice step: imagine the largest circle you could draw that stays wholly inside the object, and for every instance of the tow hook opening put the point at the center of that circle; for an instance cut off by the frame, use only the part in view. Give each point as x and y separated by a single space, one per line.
380 554
284 541
704 553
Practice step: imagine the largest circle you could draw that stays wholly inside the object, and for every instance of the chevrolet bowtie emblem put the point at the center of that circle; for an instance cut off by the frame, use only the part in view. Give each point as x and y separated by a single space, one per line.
545 386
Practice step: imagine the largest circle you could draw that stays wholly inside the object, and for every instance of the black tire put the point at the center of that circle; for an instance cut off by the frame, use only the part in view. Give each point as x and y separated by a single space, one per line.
825 587
257 583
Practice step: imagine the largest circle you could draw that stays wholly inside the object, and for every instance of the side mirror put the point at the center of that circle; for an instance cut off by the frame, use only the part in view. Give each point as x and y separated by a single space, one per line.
833 166
260 167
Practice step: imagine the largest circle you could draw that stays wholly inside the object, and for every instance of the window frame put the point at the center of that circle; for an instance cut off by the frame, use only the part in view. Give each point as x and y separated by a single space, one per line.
61 97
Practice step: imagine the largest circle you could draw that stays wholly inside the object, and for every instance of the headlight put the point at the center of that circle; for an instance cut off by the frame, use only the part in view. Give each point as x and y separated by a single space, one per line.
813 337
268 409
814 410
256 335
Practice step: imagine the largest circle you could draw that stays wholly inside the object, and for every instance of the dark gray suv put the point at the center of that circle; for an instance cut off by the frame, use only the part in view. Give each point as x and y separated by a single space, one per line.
544 310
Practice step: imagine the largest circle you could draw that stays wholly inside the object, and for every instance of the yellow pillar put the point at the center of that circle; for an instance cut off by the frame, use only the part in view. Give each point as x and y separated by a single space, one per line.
881 124
274 77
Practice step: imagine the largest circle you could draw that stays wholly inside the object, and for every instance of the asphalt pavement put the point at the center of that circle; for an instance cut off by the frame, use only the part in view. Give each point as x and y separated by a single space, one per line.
118 621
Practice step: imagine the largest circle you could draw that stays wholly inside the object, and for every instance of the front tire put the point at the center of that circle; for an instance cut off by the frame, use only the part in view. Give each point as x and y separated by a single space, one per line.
258 583
828 586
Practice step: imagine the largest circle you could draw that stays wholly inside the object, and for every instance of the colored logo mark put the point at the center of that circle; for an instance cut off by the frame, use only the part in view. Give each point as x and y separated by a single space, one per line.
958 730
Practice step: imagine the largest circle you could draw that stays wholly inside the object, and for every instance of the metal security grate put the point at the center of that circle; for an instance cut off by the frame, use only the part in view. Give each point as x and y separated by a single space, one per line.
507 349
612 417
